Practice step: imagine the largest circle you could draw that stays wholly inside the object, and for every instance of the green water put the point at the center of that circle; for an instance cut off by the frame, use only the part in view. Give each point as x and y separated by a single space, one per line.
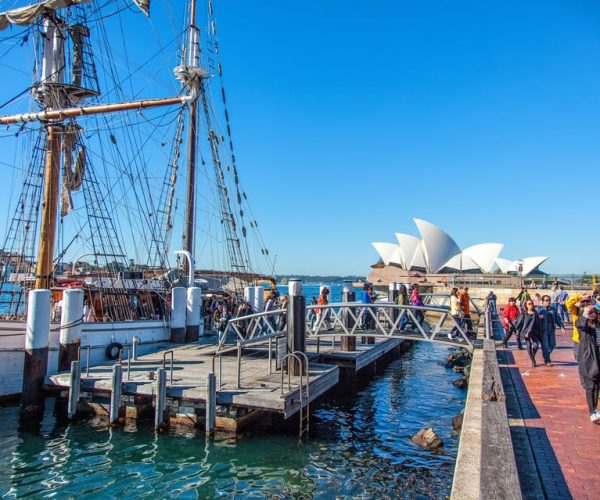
359 447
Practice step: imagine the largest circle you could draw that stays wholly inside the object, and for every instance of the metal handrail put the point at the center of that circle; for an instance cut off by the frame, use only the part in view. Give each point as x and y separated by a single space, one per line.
304 400
387 319
164 363
128 349
87 361
258 328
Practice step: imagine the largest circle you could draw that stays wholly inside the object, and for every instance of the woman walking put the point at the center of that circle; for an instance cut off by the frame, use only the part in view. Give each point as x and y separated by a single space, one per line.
456 313
531 330
589 359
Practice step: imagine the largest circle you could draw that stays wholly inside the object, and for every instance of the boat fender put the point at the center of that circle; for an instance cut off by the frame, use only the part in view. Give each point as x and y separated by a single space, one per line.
113 350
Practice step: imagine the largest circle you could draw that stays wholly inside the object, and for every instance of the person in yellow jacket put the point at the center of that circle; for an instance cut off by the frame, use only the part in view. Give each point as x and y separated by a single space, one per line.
573 304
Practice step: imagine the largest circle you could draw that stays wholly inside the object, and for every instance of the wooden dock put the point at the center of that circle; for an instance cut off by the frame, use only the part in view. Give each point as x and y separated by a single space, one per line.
260 389
363 356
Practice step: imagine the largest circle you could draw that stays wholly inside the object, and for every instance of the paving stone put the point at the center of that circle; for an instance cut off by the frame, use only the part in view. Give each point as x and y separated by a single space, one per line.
565 444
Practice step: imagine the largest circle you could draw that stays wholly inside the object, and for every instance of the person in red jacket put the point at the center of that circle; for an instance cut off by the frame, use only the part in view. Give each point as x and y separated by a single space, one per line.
510 320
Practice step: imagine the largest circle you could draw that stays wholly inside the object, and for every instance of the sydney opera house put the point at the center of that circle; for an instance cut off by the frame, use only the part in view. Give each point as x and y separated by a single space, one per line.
435 252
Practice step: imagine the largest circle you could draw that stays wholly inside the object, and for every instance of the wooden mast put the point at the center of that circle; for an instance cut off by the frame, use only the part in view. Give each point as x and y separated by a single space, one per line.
45 255
193 61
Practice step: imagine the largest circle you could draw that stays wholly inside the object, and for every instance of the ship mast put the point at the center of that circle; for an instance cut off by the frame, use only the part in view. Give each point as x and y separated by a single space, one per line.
193 61
50 96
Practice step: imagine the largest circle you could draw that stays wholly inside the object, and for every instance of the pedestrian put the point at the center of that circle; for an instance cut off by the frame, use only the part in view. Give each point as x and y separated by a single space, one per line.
312 314
574 304
550 320
491 301
282 324
589 358
367 312
554 297
523 297
537 300
563 311
415 300
465 305
510 322
531 330
402 300
456 313
224 317
271 305
322 313
532 285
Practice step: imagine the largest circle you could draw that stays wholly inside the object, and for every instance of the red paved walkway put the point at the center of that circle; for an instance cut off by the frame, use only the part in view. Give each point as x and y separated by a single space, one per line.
566 445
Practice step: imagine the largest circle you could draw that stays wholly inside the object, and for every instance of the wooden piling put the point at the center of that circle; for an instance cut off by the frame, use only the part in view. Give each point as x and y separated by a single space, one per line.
348 295
36 349
177 320
70 327
74 388
115 395
296 325
192 317
161 397
211 402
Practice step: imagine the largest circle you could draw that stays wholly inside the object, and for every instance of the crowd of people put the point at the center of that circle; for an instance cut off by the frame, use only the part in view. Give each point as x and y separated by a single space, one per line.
536 322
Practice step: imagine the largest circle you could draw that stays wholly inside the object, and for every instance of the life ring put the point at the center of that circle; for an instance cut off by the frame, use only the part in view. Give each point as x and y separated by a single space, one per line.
113 350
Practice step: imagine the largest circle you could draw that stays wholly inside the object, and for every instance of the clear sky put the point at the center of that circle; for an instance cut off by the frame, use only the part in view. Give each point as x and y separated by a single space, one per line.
351 118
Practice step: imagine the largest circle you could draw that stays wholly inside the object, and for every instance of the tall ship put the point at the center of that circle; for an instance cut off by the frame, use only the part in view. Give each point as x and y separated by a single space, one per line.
118 145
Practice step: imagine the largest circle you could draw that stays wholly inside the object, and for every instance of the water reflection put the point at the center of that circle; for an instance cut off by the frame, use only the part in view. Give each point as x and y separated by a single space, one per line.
360 445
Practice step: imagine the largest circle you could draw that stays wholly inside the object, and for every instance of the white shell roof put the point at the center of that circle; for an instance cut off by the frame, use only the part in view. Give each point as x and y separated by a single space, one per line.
389 253
484 255
438 246
438 250
408 246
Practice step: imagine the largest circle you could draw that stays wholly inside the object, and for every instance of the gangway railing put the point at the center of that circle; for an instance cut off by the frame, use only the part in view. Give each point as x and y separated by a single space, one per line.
387 320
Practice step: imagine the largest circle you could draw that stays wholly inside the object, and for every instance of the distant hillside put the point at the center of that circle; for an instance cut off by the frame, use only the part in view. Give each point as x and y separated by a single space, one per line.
319 279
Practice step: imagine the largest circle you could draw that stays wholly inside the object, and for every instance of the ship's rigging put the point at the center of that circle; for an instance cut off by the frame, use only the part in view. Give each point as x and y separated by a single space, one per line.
118 202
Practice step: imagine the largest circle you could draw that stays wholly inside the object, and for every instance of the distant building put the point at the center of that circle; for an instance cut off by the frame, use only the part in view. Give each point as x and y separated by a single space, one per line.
436 252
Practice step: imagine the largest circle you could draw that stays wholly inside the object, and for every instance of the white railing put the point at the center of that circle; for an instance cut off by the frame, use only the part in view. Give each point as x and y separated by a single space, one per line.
386 320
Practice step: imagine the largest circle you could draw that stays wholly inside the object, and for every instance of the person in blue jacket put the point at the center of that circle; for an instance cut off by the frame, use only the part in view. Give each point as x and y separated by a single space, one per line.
550 320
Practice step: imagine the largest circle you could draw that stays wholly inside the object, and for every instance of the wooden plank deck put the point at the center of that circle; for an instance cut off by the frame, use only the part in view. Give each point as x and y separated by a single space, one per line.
364 355
258 390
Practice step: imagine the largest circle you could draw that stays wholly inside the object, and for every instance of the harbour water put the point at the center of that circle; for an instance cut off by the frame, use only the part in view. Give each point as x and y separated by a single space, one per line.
359 445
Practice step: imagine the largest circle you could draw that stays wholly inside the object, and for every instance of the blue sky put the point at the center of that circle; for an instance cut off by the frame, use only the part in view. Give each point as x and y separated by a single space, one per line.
351 118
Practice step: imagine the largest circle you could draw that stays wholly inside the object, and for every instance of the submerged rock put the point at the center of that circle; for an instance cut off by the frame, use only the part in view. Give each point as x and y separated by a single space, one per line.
427 439
460 358
457 422
461 383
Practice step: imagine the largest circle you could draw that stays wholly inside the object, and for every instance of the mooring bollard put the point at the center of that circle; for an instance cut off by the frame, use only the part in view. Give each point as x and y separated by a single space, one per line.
35 364
192 317
296 325
115 396
74 388
161 397
70 327
348 295
178 308
211 401
259 298
134 347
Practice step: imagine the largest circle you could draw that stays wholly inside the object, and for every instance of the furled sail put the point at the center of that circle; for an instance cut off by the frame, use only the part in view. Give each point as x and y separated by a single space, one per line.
74 167
28 14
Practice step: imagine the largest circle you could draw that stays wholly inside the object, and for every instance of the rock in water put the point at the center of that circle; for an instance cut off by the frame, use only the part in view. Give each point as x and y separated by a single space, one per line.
427 439
457 422
461 383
